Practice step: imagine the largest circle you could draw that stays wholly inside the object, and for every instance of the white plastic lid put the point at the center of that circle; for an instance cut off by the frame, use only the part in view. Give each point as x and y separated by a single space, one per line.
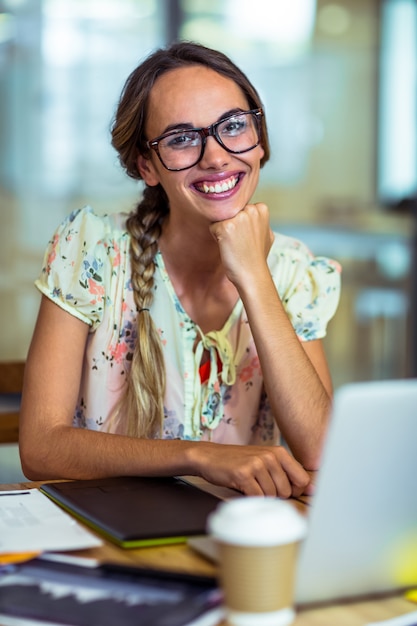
256 521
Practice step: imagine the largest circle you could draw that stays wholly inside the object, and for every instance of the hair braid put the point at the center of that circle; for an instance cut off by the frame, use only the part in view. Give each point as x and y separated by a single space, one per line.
142 403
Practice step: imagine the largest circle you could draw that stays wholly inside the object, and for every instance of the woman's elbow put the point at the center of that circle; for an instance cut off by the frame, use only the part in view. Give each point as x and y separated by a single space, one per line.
30 462
34 458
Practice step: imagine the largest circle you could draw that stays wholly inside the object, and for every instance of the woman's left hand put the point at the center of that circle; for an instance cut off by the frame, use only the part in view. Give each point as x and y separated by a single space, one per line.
244 242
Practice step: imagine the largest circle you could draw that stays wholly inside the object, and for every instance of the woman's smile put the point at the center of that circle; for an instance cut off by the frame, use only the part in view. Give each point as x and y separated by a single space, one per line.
218 187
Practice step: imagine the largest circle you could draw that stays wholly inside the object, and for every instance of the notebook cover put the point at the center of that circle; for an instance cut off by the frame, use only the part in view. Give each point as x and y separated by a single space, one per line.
135 511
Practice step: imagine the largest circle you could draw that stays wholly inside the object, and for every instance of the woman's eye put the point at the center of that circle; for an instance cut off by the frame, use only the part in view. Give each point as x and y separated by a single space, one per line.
235 126
182 140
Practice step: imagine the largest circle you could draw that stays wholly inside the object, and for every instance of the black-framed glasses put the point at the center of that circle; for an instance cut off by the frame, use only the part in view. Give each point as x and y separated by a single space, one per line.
183 148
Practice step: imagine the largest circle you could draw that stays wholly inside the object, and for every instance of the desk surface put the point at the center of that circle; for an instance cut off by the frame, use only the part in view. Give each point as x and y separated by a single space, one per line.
182 558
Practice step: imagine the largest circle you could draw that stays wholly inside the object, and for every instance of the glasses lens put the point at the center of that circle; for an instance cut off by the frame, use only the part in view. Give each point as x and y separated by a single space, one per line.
180 149
239 133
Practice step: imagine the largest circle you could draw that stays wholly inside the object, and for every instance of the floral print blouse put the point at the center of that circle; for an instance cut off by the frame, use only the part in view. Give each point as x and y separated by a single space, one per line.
86 271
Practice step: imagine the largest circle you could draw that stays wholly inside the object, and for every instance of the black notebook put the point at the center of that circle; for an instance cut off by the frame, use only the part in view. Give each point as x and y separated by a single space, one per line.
134 511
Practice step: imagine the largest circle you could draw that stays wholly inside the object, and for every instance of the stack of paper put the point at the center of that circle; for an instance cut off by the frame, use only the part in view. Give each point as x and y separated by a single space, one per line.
31 523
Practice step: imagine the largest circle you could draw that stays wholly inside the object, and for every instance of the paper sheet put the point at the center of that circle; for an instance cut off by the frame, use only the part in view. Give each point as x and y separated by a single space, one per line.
31 522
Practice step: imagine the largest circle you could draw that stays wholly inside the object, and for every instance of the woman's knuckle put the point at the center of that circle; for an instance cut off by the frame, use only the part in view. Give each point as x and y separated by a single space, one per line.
269 457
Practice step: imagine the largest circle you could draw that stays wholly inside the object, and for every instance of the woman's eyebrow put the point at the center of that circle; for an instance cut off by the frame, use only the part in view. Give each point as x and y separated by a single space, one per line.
179 126
189 126
231 112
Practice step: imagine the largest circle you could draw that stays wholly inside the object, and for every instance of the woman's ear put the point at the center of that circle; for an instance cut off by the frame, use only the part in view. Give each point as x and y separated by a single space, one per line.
147 171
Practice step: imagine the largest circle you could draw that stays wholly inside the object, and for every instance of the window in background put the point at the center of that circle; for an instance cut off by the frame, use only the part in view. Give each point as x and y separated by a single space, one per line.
62 66
63 69
397 132
88 49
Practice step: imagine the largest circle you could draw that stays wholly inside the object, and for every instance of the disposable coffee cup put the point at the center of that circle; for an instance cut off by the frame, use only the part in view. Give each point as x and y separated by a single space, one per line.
258 540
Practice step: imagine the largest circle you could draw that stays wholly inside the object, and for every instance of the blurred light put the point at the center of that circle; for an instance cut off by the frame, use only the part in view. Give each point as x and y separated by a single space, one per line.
374 302
12 5
62 42
394 260
7 27
67 24
98 9
286 23
333 19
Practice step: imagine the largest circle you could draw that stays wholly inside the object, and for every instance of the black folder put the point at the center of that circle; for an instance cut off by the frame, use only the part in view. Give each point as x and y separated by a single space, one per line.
136 511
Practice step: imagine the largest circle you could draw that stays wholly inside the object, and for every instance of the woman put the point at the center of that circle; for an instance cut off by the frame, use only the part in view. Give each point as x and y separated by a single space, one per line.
188 325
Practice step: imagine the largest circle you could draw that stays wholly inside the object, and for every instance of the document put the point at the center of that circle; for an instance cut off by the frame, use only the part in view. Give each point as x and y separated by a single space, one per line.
31 523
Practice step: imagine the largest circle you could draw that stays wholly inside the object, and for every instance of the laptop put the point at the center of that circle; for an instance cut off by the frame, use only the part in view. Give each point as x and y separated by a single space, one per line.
362 537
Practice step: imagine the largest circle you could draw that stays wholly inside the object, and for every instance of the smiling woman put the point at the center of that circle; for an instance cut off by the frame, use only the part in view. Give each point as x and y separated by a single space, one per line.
187 326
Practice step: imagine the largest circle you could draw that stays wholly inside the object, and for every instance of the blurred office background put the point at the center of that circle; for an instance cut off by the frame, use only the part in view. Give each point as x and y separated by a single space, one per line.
339 83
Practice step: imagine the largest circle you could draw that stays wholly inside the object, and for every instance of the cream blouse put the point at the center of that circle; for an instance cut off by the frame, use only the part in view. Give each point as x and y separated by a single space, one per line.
87 272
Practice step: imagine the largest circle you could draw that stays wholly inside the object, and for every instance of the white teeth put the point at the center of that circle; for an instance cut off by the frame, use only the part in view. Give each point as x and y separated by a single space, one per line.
220 187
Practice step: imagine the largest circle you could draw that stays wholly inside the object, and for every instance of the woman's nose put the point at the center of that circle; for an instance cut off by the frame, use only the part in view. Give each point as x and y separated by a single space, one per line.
214 155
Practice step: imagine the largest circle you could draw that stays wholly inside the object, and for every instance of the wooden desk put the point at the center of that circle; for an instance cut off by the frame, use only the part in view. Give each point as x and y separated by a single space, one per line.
182 558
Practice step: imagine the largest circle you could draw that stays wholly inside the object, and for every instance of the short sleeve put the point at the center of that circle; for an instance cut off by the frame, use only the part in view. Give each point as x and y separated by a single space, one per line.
78 265
309 286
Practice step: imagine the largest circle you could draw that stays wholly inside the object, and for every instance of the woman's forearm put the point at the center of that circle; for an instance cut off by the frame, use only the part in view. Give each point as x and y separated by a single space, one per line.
298 390
75 453
72 453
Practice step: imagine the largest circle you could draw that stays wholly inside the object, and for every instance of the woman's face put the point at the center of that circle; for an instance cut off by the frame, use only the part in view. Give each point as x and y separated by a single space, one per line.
222 183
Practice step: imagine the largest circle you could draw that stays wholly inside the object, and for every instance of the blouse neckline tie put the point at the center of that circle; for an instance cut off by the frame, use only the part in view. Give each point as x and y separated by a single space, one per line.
208 404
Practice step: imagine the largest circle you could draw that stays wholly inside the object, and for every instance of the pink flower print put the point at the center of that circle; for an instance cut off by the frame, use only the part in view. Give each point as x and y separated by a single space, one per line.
116 258
52 255
119 352
246 374
160 333
95 289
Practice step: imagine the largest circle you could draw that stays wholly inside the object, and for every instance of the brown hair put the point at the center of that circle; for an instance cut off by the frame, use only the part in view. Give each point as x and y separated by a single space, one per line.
143 400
